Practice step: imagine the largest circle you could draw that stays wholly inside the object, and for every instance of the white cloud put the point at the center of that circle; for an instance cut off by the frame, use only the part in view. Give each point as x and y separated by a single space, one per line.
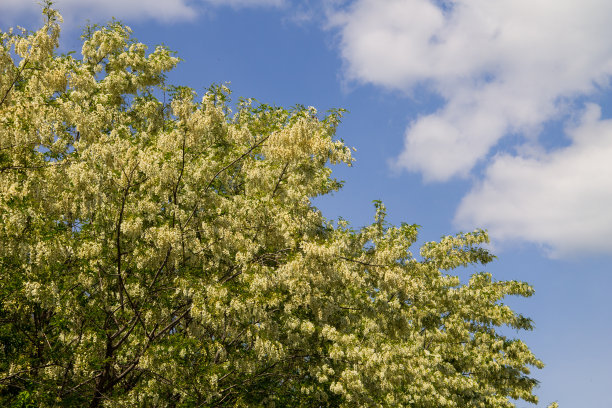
246 3
77 11
561 199
502 66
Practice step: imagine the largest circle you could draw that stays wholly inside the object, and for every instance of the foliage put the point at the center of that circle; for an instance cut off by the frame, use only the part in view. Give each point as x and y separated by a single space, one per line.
168 254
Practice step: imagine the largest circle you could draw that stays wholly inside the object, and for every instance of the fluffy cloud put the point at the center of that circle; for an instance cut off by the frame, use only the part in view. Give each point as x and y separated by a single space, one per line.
77 10
560 199
160 10
503 68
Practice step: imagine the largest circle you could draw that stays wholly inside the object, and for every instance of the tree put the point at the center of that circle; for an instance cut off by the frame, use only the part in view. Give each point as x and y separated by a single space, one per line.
168 254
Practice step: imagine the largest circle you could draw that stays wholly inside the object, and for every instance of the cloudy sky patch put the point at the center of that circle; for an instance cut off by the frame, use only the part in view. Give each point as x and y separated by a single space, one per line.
165 11
502 68
560 200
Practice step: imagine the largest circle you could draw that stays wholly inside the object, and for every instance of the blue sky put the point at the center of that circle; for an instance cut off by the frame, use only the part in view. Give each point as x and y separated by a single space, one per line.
464 114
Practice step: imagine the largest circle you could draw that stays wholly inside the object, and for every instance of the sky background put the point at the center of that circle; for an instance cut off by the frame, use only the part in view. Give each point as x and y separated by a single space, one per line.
464 113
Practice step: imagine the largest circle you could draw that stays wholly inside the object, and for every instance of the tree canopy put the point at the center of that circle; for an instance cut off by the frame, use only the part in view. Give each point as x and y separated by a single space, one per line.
168 254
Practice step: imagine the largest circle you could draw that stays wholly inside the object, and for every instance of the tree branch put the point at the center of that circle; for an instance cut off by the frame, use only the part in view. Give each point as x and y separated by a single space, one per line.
14 81
280 178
